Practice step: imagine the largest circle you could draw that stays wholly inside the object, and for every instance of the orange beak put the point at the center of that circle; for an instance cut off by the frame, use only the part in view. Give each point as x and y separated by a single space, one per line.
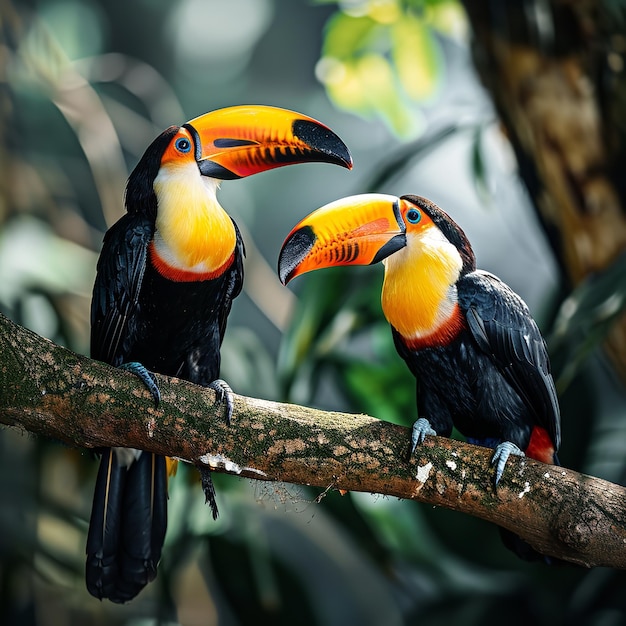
358 230
244 140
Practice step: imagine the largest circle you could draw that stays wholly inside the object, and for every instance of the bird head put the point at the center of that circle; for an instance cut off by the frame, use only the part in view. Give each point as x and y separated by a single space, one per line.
368 228
232 143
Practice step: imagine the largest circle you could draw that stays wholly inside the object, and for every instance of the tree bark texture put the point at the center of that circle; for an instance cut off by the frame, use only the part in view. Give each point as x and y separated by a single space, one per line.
556 71
48 390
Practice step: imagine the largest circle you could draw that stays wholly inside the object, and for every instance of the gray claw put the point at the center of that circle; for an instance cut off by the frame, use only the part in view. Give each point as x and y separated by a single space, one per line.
224 395
421 428
500 456
146 377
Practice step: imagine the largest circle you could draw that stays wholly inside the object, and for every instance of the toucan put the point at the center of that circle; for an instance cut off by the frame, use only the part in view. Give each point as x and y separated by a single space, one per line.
166 278
479 359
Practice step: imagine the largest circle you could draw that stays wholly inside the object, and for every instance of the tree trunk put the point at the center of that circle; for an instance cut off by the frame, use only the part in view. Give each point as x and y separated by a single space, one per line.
555 71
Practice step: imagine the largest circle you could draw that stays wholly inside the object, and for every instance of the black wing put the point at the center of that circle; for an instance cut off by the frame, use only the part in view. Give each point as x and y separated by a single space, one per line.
233 283
120 271
503 327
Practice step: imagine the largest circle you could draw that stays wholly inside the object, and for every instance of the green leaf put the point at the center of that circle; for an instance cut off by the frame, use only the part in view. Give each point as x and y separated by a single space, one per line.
346 36
479 168
368 86
585 318
381 388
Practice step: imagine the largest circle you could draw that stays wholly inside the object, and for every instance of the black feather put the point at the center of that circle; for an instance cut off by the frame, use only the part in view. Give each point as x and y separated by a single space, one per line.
102 569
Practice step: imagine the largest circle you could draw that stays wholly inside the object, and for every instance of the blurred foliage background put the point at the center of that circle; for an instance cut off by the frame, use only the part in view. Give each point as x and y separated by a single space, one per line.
426 107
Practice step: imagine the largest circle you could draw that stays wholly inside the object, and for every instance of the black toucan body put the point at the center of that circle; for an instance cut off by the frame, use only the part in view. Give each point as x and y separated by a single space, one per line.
479 359
166 278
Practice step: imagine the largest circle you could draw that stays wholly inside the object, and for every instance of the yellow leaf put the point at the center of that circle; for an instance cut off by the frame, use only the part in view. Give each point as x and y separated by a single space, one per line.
417 57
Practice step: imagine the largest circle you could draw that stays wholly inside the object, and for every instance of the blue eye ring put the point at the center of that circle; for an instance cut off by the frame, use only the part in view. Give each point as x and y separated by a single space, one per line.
183 145
413 216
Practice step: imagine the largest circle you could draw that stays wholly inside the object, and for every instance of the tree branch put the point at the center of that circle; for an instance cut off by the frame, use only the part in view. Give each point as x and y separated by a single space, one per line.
48 390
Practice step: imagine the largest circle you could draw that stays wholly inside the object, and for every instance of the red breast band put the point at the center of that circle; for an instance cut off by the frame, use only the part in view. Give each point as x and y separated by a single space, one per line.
442 336
181 275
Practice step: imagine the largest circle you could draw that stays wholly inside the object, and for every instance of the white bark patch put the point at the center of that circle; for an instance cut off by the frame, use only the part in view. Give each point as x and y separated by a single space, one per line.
524 491
423 472
219 461
451 465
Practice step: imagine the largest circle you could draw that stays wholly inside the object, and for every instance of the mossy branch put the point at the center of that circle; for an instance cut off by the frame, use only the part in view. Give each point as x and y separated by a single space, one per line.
50 391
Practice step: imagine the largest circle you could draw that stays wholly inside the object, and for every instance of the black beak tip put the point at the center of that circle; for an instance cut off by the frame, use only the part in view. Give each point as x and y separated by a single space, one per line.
294 250
324 142
284 278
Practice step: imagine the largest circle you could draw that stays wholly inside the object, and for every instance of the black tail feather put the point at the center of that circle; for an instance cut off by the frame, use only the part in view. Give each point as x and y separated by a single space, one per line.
523 549
127 527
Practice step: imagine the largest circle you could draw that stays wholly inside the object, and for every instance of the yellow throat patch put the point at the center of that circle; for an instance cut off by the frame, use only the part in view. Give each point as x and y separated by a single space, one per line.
419 292
194 238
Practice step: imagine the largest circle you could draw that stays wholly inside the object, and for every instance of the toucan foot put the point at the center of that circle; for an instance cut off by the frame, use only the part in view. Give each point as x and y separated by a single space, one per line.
146 377
224 395
501 455
421 428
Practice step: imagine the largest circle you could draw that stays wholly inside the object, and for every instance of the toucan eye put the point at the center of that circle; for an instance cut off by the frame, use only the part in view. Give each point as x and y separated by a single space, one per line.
183 145
413 216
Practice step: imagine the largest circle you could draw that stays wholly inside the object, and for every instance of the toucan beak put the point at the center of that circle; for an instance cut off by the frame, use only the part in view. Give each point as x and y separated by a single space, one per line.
358 230
244 140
